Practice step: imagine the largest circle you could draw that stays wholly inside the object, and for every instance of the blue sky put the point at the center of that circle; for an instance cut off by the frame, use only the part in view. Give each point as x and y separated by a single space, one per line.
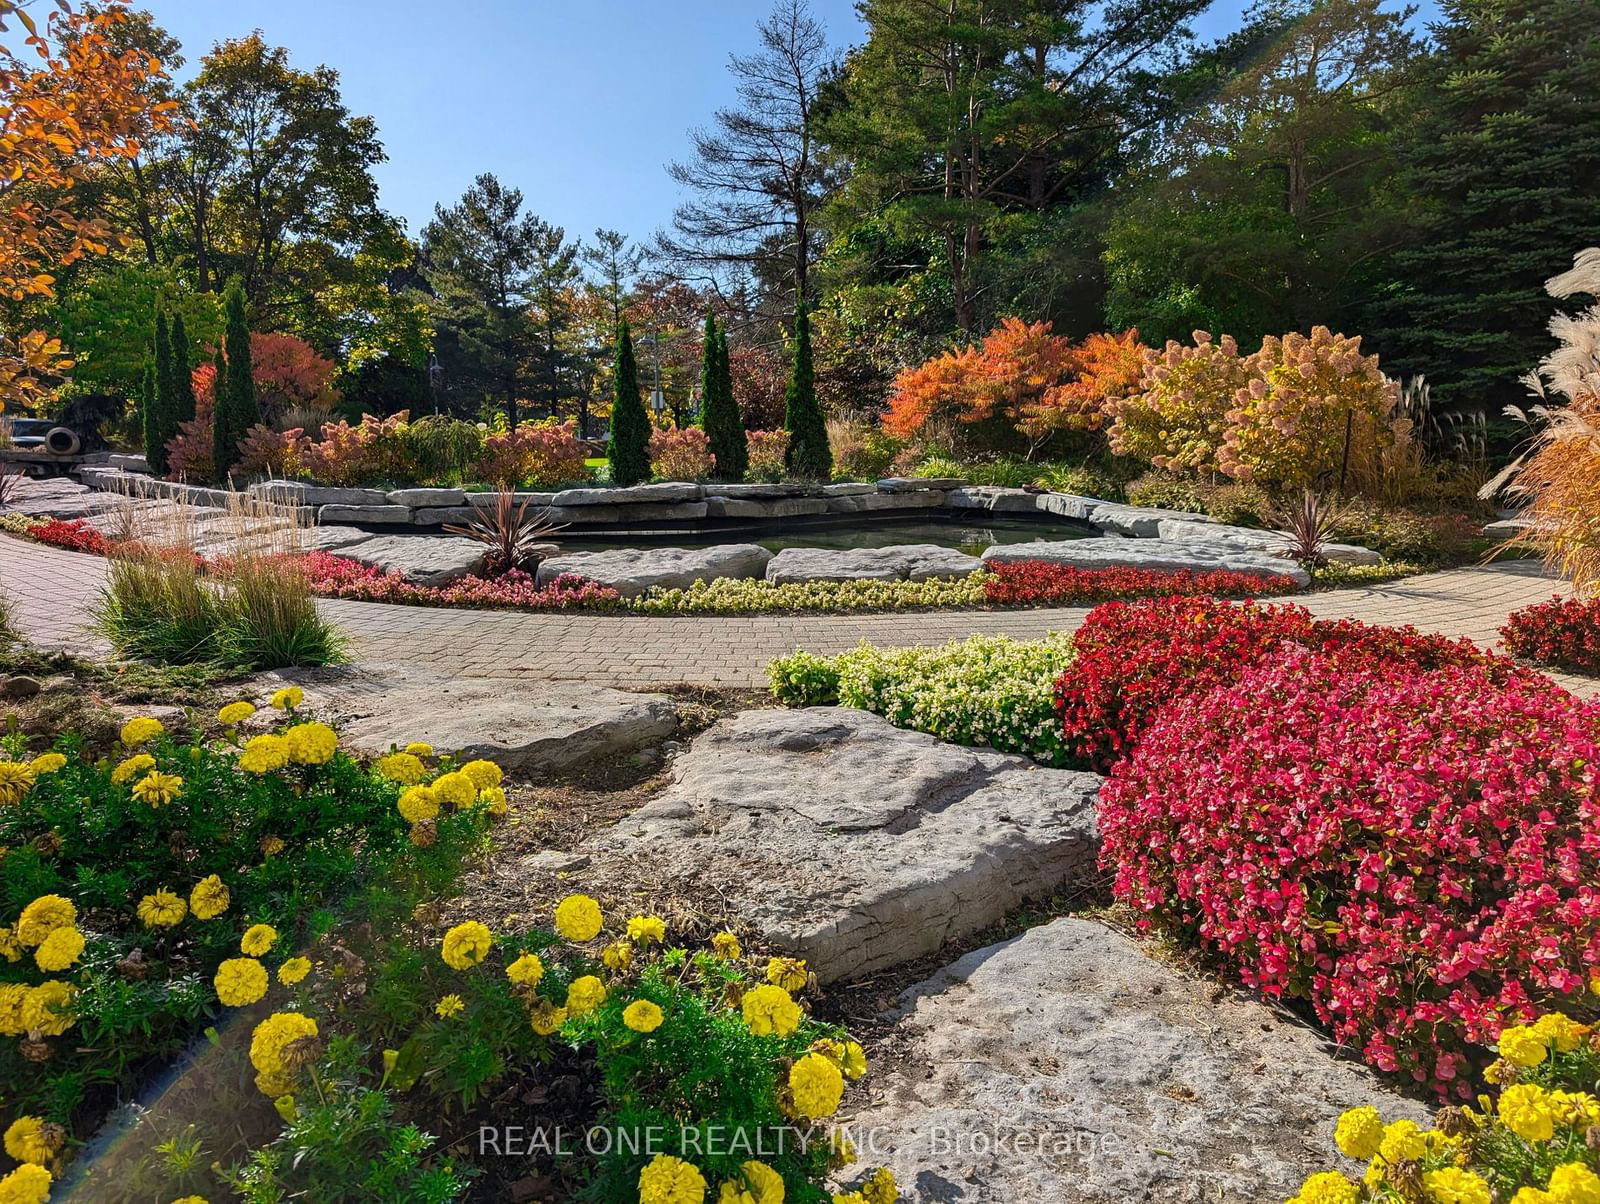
579 103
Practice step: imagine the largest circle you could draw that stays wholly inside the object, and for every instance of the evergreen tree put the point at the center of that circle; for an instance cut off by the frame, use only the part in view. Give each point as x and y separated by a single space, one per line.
154 450
160 424
719 414
809 455
628 450
1506 161
234 410
182 381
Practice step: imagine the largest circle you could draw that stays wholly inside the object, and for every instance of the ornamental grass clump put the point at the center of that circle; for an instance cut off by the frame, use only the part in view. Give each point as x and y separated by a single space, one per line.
1412 851
1533 1139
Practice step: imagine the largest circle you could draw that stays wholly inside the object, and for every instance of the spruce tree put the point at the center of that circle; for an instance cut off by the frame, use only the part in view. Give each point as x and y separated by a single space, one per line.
160 422
628 450
182 381
719 413
809 455
1506 163
234 411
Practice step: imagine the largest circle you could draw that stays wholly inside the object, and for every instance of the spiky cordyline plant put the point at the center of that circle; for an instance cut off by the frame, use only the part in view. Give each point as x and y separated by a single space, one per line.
1307 526
1558 477
514 540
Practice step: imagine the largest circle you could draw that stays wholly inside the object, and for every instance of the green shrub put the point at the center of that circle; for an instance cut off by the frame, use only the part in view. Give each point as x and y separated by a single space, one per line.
271 621
1165 492
731 595
441 448
158 608
1409 535
1085 480
985 690
1239 505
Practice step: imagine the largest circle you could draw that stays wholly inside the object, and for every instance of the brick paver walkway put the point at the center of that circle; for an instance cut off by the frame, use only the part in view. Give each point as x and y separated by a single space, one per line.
52 589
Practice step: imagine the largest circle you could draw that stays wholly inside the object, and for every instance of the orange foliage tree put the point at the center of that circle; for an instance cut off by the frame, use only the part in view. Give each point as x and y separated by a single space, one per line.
68 101
1039 381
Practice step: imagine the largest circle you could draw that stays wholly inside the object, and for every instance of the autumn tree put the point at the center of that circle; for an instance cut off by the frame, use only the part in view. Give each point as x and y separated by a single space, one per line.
616 261
68 103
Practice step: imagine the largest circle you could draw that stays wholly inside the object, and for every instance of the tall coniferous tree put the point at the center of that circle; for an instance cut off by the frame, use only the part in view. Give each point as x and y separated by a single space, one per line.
628 450
809 455
154 450
182 380
719 414
235 409
160 420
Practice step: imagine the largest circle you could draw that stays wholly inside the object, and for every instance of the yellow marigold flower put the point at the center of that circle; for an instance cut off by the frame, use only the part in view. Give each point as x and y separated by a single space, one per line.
526 971
288 698
271 846
16 779
137 731
1402 1141
482 774
1521 1045
28 1184
758 1183
158 789
25 1141
880 1187
59 950
267 1043
585 994
455 788
1327 1187
418 749
240 981
163 909
235 713
401 767
726 945
1576 1108
264 753
617 956
578 918
494 798
1530 1195
816 1086
1574 1183
131 768
645 929
1560 1030
42 917
466 945
1359 1133
417 805
294 970
546 1017
854 1062
311 743
1525 1109
642 1016
47 762
1452 1185
12 996
209 898
449 1007
769 1010
10 946
258 939
669 1180
47 1008
787 972
849 1197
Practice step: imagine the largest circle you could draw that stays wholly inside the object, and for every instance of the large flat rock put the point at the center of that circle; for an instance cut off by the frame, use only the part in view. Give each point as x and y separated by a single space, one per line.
1112 552
1068 1065
422 559
539 726
905 562
856 844
616 495
632 571
1254 539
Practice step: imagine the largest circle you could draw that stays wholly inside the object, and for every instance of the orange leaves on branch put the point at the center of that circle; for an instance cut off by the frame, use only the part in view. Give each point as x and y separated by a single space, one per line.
1104 367
68 101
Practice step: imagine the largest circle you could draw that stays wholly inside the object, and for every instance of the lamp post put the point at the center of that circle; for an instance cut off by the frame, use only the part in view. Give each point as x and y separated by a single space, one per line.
658 399
435 380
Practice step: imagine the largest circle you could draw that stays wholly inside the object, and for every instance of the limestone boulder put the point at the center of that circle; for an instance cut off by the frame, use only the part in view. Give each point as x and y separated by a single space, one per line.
665 491
632 571
423 559
903 562
1068 1066
1110 552
1258 540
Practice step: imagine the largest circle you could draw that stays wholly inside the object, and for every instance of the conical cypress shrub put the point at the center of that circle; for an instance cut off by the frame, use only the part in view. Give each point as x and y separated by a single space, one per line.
183 382
719 415
738 446
155 452
160 423
235 410
628 450
809 455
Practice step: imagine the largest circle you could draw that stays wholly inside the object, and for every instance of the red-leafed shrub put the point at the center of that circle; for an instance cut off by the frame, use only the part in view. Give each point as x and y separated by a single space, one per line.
1562 632
1135 657
1416 853
537 455
267 452
189 452
681 454
358 455
339 577
1040 583
73 534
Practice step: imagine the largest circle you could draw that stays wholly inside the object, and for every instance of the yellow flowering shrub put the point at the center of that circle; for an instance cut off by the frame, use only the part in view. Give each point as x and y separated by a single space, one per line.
1177 418
1536 1142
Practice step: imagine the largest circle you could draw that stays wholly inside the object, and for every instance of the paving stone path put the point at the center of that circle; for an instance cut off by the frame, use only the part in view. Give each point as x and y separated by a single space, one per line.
52 589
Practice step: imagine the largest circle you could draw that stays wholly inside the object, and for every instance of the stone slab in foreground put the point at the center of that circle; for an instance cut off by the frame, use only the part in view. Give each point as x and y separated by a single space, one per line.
1068 1065
902 562
632 571
855 844
422 559
1113 552
532 726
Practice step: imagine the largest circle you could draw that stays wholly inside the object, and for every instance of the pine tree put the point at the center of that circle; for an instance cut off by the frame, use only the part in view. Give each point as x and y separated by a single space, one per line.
234 410
628 450
809 455
719 413
183 382
160 423
1507 162
154 450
